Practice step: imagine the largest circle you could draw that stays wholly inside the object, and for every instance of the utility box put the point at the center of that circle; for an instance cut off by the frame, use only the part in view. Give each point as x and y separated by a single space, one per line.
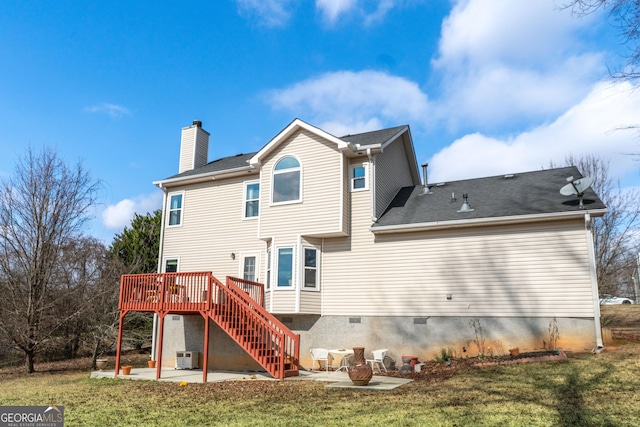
187 360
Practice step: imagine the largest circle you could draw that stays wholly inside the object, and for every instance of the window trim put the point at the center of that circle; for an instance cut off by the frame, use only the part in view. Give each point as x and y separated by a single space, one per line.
303 286
181 209
277 267
269 269
274 172
245 200
256 267
170 258
352 179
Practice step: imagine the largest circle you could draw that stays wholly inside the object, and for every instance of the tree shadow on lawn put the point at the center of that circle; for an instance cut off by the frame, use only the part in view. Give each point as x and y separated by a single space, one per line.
561 386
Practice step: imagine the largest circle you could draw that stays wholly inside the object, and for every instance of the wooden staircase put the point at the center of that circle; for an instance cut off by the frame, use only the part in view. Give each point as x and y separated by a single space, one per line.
262 336
236 306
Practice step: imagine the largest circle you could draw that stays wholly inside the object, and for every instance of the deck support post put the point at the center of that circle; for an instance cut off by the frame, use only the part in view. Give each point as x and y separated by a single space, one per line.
159 349
119 348
205 356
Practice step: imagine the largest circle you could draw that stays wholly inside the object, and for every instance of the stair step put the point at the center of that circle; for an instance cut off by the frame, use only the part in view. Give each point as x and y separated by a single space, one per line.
257 341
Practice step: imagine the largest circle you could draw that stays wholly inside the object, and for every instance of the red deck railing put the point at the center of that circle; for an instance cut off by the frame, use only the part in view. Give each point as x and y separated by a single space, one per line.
174 292
254 289
236 306
289 342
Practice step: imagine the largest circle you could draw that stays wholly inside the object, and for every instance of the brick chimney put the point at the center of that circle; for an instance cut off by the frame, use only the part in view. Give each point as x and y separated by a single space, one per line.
194 147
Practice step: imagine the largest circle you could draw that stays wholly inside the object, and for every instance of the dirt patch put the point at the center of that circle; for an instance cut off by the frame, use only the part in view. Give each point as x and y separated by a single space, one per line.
625 334
620 316
436 372
81 364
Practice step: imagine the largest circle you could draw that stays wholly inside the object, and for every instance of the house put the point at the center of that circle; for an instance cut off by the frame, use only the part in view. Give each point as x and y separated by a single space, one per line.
355 249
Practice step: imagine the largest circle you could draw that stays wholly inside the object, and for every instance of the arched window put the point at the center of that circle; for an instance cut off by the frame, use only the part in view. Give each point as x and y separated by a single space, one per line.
286 180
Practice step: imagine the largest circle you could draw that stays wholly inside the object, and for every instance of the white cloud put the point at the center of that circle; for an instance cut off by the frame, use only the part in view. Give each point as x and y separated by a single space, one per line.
502 61
486 31
593 126
497 95
369 12
113 110
332 9
345 101
118 216
270 13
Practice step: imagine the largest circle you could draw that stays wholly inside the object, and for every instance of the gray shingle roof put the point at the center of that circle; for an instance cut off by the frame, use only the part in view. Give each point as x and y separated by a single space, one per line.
220 165
240 160
372 138
524 194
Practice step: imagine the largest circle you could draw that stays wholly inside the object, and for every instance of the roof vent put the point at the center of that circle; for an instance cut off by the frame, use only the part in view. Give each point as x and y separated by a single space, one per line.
425 184
508 176
465 204
197 123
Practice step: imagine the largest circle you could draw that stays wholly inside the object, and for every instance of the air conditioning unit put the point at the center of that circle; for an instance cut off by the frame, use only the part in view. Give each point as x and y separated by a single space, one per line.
187 360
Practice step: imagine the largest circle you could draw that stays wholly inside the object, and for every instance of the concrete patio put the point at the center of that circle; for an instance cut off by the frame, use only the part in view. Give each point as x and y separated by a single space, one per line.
335 379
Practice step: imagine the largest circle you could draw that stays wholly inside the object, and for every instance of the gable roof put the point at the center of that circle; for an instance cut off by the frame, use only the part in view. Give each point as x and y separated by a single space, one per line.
374 138
514 196
243 163
292 128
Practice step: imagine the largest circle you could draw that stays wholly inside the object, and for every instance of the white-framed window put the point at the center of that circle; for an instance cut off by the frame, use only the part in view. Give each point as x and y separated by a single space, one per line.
359 177
171 265
175 208
249 264
311 270
284 267
268 284
287 181
251 199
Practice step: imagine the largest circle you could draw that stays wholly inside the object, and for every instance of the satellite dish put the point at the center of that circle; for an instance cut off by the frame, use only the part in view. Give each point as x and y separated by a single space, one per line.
577 188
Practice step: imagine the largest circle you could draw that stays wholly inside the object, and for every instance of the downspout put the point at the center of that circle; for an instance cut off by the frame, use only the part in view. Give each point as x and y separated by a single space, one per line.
322 278
159 270
594 279
372 184
298 280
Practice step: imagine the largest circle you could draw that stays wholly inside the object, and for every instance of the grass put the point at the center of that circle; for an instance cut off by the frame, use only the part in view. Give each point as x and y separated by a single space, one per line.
620 316
587 389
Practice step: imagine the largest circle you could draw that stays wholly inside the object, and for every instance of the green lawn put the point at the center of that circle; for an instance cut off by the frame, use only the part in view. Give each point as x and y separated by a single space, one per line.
587 389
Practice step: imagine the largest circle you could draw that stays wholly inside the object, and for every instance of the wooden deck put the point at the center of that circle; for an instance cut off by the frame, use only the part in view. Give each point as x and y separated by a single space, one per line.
236 306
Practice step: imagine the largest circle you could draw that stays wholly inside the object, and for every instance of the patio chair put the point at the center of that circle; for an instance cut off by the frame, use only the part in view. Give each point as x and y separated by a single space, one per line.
378 359
319 355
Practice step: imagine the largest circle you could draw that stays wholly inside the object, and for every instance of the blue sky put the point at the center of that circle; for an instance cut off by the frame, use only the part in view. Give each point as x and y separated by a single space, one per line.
487 86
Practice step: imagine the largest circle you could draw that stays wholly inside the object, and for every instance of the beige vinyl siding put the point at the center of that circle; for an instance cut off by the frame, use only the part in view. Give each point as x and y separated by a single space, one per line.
212 229
201 149
391 174
346 194
310 302
283 301
187 145
320 212
525 270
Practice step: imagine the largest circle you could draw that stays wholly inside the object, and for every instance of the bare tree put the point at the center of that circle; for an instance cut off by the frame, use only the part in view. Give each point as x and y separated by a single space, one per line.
625 14
615 235
85 293
43 207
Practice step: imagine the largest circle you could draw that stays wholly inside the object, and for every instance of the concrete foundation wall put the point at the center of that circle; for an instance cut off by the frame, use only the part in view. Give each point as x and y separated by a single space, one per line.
186 333
423 337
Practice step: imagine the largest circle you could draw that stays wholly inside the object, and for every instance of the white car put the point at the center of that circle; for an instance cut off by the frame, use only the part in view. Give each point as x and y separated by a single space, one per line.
610 299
